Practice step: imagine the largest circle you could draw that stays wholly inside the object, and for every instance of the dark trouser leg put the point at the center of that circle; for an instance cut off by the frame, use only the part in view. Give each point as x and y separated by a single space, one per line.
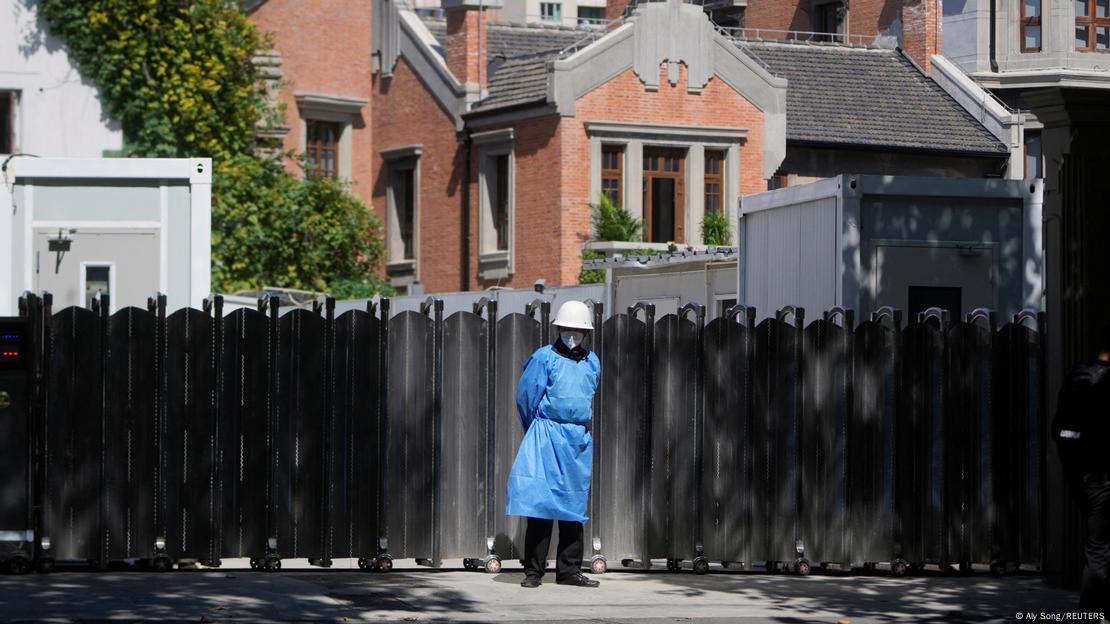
569 561
537 541
1094 594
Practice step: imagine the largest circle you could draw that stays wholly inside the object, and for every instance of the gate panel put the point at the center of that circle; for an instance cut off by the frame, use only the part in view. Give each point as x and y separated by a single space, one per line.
465 420
1018 447
72 449
301 422
871 443
968 473
919 467
823 438
131 434
621 448
245 455
775 441
726 446
357 515
410 443
673 501
518 336
190 412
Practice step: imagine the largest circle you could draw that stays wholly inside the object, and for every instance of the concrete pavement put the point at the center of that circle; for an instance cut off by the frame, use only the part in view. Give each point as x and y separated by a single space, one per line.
410 594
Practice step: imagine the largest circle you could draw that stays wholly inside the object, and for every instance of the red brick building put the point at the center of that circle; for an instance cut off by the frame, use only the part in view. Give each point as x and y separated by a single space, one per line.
490 140
325 62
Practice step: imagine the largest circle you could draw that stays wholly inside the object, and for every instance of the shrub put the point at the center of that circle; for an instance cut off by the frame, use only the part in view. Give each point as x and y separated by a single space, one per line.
611 222
715 229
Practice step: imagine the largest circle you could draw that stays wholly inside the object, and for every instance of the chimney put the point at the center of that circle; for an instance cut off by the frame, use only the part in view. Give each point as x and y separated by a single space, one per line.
614 9
921 30
467 41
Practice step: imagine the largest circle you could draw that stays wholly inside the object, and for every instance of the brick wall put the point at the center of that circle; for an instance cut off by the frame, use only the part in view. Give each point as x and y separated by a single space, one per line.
464 56
625 99
405 113
538 223
922 30
866 17
325 48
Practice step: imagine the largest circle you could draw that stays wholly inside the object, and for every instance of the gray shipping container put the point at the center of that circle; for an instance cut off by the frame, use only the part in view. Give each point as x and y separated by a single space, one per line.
866 241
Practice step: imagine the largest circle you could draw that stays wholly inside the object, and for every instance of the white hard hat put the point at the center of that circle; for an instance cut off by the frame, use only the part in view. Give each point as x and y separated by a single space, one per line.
574 315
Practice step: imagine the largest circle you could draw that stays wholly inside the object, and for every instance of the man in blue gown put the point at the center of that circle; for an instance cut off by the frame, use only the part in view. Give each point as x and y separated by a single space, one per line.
550 479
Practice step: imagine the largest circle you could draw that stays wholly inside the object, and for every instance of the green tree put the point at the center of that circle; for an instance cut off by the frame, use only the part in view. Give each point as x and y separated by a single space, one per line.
178 76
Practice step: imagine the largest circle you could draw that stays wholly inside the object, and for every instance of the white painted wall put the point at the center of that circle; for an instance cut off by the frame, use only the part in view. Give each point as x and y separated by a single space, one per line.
529 11
59 114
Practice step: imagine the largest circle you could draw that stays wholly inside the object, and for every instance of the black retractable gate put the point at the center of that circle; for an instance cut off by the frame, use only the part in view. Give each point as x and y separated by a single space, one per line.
823 444
464 481
774 439
72 449
726 498
191 430
871 440
200 436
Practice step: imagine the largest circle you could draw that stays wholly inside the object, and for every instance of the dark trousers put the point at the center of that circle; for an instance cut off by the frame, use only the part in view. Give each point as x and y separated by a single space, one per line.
1094 593
537 542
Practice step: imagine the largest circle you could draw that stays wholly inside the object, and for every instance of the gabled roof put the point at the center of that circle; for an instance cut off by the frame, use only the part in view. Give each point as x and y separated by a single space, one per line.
868 97
518 54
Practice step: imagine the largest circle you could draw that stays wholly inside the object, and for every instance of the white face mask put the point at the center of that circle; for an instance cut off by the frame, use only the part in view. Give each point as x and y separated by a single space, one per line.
572 338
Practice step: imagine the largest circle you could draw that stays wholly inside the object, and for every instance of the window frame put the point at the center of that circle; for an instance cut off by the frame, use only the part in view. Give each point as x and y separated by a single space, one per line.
400 270
1091 22
346 111
614 175
319 148
11 97
556 16
819 9
590 21
714 177
1029 22
495 263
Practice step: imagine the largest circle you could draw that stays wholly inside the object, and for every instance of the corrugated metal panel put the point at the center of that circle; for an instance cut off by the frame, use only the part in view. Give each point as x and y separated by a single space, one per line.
790 256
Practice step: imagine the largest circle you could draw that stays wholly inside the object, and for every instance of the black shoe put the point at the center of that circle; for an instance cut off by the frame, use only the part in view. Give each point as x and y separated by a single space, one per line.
578 580
530 582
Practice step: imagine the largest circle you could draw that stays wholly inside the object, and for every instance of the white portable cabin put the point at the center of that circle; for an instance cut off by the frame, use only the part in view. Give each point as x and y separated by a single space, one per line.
867 241
128 227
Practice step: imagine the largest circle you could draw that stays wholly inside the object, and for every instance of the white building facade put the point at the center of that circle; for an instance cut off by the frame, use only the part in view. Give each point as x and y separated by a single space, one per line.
46 108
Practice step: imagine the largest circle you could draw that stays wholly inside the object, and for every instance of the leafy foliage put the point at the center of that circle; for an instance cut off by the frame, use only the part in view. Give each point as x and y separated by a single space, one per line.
612 222
591 276
178 76
715 229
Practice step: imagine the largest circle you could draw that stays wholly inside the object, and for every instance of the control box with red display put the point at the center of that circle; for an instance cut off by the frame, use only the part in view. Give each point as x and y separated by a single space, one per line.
13 343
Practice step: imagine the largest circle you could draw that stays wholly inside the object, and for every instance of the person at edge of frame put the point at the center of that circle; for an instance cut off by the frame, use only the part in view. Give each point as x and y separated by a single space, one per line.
550 479
1081 429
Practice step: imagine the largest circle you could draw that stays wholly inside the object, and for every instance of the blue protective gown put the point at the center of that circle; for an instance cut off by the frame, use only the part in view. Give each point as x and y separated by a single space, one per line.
554 399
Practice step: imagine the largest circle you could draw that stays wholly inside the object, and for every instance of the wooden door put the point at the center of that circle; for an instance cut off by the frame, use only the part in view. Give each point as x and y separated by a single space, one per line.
665 164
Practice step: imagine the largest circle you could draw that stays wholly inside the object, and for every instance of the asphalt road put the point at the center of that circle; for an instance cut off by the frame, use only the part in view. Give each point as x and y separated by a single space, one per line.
418 594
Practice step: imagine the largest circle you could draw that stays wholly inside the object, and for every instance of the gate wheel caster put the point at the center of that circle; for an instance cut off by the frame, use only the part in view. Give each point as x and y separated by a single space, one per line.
899 567
493 564
801 567
254 563
599 565
673 565
161 564
19 565
471 564
271 564
361 563
701 565
998 568
627 562
383 563
44 565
